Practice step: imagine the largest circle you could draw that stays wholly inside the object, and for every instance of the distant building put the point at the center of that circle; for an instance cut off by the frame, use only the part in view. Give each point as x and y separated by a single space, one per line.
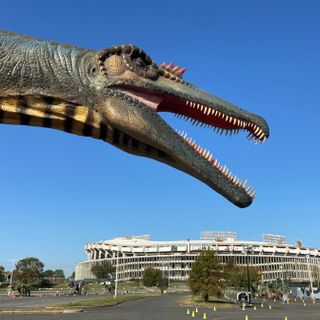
7 276
273 257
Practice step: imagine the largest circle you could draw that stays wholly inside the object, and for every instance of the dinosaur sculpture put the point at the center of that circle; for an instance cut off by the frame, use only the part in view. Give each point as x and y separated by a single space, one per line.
116 95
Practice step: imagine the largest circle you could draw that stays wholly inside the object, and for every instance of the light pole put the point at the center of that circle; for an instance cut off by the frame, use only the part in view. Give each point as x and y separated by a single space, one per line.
11 277
282 281
310 276
116 284
247 250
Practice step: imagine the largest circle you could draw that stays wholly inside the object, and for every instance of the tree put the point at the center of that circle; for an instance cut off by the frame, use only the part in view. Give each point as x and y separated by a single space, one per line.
237 276
2 277
153 278
207 276
48 273
29 271
73 275
58 273
103 270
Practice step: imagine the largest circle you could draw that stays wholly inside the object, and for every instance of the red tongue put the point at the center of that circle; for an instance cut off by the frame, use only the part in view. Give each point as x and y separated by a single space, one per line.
152 101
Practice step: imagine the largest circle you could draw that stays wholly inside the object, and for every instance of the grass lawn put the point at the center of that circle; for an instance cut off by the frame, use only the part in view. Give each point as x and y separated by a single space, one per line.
99 302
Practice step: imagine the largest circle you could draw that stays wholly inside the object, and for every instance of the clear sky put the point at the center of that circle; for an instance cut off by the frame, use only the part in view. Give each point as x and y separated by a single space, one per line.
59 191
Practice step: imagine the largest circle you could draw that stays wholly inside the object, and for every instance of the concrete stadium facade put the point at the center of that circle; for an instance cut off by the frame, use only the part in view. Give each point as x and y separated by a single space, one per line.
292 263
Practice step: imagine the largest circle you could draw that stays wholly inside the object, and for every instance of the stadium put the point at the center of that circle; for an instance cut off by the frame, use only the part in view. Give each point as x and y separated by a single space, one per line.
273 256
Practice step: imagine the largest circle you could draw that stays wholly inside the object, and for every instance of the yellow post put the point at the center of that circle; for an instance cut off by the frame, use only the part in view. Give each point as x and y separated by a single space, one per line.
270 306
243 308
261 305
192 315
285 318
196 309
254 308
214 308
246 317
304 304
188 312
204 315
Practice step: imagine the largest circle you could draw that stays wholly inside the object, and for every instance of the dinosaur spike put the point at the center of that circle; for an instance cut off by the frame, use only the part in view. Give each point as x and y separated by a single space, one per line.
180 72
163 65
175 69
171 65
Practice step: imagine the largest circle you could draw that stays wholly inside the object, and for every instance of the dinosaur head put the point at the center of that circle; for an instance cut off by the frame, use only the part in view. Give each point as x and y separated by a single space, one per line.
136 90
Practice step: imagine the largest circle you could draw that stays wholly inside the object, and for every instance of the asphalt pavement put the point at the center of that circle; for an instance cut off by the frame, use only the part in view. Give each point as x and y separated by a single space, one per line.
165 308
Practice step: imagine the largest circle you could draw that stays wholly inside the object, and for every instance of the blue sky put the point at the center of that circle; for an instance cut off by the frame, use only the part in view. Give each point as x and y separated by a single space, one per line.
60 191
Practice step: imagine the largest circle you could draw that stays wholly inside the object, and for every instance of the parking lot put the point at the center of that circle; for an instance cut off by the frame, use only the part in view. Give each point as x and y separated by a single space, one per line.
163 308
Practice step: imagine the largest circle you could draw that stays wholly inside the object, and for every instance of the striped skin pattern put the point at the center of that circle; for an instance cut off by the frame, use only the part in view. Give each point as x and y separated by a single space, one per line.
76 119
53 113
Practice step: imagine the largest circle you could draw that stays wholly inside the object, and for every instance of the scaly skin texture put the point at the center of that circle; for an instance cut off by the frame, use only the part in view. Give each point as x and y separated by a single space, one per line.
116 95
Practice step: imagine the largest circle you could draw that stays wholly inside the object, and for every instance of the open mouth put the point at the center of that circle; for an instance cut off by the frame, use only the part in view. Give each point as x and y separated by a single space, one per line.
206 115
162 89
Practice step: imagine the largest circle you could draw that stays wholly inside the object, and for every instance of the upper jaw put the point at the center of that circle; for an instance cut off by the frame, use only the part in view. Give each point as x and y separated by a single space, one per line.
185 99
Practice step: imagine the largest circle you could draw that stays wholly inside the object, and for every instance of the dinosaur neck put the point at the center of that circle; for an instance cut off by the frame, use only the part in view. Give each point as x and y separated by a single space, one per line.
53 113
72 118
33 67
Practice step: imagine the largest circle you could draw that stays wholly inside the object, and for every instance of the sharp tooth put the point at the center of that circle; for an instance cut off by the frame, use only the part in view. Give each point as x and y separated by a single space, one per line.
227 117
234 121
209 111
198 106
201 108
205 110
222 116
187 102
245 183
230 119
256 130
